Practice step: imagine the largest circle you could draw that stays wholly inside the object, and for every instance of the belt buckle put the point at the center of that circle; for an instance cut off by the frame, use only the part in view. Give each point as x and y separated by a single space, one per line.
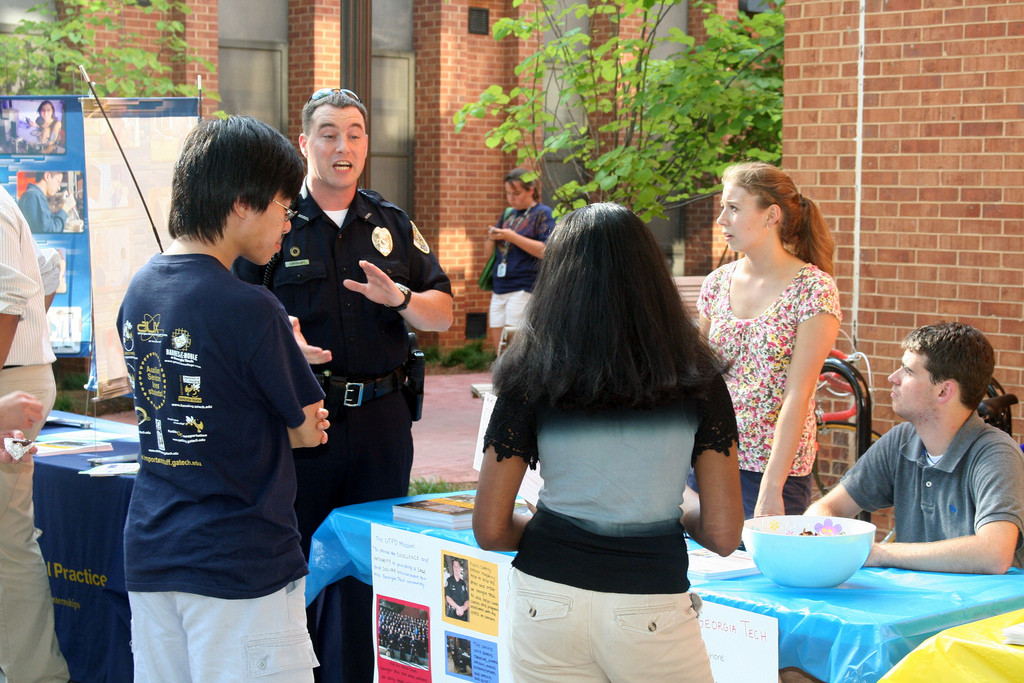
350 389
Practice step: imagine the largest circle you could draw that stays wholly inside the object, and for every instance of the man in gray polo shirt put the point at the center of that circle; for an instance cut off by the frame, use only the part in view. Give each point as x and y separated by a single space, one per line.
956 484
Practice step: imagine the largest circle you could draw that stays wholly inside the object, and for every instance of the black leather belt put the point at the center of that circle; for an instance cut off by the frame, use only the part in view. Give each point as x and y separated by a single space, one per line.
352 393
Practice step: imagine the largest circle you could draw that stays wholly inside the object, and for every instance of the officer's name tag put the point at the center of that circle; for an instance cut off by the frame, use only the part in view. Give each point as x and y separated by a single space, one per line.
500 272
299 262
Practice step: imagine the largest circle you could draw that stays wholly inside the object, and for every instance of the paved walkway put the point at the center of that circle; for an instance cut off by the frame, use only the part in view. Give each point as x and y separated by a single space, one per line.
444 440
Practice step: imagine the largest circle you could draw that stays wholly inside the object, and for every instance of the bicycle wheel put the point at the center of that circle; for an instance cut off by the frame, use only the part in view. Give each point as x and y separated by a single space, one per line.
837 451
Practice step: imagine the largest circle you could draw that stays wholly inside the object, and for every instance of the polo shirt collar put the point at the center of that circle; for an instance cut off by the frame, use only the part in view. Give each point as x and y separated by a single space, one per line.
968 433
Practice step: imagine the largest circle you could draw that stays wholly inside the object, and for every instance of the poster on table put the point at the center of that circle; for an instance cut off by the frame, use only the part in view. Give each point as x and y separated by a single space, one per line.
42 164
129 223
437 609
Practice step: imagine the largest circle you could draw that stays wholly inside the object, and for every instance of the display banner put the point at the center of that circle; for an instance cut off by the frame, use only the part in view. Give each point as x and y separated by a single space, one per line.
42 164
122 239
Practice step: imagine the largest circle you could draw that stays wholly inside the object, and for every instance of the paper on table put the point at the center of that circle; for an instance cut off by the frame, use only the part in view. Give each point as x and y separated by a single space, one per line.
112 469
83 435
529 490
1014 635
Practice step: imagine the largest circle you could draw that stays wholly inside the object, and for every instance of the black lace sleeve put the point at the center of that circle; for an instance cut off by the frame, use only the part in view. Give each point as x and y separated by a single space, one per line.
717 430
512 431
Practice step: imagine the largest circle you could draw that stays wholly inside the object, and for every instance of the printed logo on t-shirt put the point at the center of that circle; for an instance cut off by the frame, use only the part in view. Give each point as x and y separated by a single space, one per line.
127 339
149 328
188 388
151 381
178 353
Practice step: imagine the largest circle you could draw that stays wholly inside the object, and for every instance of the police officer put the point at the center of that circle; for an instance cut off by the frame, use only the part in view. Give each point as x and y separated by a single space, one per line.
353 271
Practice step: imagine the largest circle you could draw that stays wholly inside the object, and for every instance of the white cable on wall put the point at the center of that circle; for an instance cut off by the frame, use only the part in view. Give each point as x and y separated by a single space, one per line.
858 172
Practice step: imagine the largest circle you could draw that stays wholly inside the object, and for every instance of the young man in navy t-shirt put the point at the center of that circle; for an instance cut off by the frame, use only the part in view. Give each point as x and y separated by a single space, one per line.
213 565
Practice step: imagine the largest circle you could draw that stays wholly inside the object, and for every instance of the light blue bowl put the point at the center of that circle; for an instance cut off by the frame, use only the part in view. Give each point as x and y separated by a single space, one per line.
823 561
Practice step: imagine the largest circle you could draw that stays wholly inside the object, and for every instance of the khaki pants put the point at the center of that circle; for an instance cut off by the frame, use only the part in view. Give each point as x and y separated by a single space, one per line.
29 652
560 633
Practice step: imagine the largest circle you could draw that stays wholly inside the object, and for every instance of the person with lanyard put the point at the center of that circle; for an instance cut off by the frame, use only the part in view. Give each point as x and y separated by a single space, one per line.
353 272
519 238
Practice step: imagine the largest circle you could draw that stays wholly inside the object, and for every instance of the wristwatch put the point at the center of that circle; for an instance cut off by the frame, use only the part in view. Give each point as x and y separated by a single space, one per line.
407 293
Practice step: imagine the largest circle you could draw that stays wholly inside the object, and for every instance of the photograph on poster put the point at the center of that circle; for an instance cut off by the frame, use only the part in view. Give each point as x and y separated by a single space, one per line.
51 200
460 656
403 641
456 587
29 126
472 659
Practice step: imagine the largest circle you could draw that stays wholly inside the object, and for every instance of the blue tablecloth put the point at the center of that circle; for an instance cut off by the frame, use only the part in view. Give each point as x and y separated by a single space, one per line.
82 520
855 632
341 546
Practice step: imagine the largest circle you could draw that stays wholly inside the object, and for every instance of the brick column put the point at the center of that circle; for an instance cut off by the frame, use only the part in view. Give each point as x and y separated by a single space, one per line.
458 178
314 54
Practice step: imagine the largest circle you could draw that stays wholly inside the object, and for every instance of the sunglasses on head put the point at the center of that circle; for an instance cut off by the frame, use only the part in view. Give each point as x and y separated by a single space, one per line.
324 92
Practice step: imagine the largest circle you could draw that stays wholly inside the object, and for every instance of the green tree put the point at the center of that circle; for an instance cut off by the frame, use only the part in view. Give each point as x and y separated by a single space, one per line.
42 55
647 132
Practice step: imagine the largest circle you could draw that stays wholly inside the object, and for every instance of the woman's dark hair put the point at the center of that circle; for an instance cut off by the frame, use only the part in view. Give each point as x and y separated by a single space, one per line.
605 327
803 229
39 109
516 176
238 158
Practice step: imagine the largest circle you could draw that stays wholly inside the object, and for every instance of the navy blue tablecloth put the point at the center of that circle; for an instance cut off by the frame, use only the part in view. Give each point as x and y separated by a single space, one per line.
82 520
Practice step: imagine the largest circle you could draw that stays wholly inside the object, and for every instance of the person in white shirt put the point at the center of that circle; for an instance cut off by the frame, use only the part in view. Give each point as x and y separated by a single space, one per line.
28 645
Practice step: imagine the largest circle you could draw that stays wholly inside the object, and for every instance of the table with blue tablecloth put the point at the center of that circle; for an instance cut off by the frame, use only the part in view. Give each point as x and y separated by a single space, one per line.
82 520
855 632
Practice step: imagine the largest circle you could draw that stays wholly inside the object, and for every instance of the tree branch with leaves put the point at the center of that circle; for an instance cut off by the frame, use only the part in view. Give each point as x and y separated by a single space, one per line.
649 132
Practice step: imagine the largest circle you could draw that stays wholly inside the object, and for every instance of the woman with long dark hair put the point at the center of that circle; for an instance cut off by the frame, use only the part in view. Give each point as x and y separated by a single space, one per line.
610 387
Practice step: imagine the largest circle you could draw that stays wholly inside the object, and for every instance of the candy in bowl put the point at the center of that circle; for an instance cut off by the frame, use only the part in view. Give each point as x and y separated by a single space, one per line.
801 551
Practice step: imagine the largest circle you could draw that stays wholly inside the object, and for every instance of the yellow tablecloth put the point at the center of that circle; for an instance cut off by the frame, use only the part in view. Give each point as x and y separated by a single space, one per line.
970 652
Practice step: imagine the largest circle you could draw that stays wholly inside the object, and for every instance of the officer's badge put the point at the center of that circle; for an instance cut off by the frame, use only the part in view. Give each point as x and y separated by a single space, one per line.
417 239
382 241
294 251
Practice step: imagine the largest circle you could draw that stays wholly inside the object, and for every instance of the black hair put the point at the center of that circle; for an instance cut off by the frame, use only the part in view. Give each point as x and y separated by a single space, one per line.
605 327
224 161
958 352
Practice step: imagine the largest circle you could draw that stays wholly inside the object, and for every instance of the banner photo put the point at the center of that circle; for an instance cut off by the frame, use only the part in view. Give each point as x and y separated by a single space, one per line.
42 164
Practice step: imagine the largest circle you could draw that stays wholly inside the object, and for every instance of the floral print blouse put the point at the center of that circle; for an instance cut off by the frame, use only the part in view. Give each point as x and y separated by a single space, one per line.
760 350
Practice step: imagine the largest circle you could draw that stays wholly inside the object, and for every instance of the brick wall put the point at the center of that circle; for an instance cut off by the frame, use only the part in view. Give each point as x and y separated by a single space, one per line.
941 209
314 37
458 189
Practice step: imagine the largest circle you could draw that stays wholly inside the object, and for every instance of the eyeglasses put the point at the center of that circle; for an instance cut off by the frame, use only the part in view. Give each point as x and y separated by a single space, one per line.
324 92
288 213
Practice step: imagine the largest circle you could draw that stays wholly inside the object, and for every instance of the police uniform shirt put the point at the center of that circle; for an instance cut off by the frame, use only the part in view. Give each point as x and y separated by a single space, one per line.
366 338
